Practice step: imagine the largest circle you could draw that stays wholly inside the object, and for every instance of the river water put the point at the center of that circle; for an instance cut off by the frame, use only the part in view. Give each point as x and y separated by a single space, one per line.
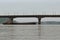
30 32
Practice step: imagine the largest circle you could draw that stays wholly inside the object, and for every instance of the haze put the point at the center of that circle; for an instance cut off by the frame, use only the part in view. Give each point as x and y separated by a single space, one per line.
30 6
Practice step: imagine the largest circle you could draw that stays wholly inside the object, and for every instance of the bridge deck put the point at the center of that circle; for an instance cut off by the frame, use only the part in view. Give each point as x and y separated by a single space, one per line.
29 15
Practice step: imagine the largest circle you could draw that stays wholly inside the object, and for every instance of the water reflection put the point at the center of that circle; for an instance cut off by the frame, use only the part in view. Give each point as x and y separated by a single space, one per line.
19 32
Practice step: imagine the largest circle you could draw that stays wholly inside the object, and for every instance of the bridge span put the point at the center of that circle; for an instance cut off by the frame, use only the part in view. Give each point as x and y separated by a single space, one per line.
11 17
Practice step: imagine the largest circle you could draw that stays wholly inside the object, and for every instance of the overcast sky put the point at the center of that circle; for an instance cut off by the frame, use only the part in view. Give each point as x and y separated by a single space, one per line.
29 0
30 6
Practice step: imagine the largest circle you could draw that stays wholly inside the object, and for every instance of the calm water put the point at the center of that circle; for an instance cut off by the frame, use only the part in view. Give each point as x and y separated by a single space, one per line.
30 32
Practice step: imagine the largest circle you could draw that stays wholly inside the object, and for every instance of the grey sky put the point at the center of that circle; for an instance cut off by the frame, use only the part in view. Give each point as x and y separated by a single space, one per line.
27 0
30 6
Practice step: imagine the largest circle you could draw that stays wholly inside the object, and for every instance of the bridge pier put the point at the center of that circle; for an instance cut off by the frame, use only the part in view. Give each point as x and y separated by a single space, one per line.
10 21
39 20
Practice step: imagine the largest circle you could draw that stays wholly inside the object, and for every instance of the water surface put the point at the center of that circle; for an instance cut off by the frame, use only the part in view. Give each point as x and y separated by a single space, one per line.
30 32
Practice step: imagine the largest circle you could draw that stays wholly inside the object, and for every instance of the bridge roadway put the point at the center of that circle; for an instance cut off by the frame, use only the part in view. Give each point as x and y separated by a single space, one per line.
11 17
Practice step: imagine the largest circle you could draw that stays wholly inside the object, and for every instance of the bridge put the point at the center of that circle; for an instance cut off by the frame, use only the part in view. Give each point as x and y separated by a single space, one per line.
11 17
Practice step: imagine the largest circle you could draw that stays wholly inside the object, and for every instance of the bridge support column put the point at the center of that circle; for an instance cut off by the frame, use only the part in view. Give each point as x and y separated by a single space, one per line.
39 20
10 21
